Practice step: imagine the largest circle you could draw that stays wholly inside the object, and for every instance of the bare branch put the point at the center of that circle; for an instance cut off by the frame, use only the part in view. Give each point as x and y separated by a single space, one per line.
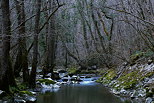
50 17
123 11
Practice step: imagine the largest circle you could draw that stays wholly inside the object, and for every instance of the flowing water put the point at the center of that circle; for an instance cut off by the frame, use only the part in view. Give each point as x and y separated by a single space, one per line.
85 92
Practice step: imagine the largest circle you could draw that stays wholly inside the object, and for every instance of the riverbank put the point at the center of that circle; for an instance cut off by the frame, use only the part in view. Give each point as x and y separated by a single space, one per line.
22 94
132 81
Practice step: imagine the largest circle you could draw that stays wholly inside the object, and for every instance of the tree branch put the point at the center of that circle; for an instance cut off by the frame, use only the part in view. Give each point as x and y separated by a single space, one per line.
50 17
123 11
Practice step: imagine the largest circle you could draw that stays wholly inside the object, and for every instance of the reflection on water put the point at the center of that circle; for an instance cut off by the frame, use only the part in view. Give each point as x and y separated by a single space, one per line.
86 92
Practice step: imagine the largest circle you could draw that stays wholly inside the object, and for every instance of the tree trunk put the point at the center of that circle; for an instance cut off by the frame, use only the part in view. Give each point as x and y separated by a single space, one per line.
22 59
52 41
46 63
6 72
32 81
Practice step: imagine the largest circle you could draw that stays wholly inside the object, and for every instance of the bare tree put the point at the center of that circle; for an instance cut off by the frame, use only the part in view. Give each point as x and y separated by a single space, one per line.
32 79
21 59
6 72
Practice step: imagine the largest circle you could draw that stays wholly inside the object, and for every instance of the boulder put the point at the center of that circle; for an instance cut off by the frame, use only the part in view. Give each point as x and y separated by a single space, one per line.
148 100
19 100
30 99
55 76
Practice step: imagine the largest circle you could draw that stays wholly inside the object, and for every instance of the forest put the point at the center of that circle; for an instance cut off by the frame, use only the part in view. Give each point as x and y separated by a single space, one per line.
110 41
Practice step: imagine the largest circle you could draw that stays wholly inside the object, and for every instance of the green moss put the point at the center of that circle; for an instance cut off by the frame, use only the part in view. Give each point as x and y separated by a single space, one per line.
107 77
111 75
72 70
128 76
46 81
146 75
26 92
106 81
99 80
129 85
129 80
101 72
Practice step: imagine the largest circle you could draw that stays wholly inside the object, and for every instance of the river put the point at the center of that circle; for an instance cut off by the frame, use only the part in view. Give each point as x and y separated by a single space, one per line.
85 92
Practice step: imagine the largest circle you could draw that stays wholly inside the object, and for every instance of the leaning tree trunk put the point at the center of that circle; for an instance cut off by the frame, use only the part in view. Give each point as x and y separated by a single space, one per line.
21 59
6 72
32 81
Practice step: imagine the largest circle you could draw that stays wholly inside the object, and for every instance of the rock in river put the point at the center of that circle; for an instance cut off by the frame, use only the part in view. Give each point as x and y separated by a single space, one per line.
148 100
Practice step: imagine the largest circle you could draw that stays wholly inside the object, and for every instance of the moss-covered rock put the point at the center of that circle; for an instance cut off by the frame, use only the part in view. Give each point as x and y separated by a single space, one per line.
129 80
73 70
101 72
107 77
26 92
111 74
46 81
